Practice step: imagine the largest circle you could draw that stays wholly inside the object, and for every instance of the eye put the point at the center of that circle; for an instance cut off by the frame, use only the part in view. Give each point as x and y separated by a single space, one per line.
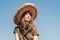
26 15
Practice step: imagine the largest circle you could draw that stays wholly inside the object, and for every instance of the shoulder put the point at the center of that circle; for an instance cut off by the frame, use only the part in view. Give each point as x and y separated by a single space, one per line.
35 30
16 29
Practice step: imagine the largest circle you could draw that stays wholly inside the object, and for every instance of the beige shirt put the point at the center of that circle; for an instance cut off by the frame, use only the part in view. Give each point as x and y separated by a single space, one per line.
25 34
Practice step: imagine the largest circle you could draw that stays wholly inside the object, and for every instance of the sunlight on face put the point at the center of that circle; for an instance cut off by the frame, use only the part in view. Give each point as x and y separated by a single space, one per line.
27 17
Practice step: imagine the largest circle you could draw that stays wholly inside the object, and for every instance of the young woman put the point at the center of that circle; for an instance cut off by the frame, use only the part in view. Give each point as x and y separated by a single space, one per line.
24 19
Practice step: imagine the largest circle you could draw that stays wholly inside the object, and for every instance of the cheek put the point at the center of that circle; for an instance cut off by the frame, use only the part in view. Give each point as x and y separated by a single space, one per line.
26 16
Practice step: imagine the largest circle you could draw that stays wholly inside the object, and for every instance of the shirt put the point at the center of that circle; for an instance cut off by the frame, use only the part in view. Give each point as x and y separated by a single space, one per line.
26 34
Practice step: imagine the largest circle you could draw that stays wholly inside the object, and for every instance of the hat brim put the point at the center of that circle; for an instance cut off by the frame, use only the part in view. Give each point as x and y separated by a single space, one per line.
23 8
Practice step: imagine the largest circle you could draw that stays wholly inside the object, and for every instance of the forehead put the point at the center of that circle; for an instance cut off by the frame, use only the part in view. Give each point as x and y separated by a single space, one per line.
25 13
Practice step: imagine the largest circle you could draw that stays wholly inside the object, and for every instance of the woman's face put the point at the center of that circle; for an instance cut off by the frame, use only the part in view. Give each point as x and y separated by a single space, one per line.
27 17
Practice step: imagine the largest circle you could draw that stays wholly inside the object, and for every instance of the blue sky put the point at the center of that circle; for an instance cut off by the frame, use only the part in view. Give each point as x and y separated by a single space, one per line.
47 21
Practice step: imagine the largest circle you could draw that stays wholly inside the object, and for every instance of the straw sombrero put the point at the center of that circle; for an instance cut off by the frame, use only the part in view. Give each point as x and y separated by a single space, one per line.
25 7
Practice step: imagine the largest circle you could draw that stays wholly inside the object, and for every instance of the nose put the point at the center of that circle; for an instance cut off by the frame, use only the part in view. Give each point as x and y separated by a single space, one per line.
28 16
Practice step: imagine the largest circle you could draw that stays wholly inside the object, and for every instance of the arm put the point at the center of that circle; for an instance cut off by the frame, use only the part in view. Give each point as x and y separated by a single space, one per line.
16 32
35 38
36 34
16 36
